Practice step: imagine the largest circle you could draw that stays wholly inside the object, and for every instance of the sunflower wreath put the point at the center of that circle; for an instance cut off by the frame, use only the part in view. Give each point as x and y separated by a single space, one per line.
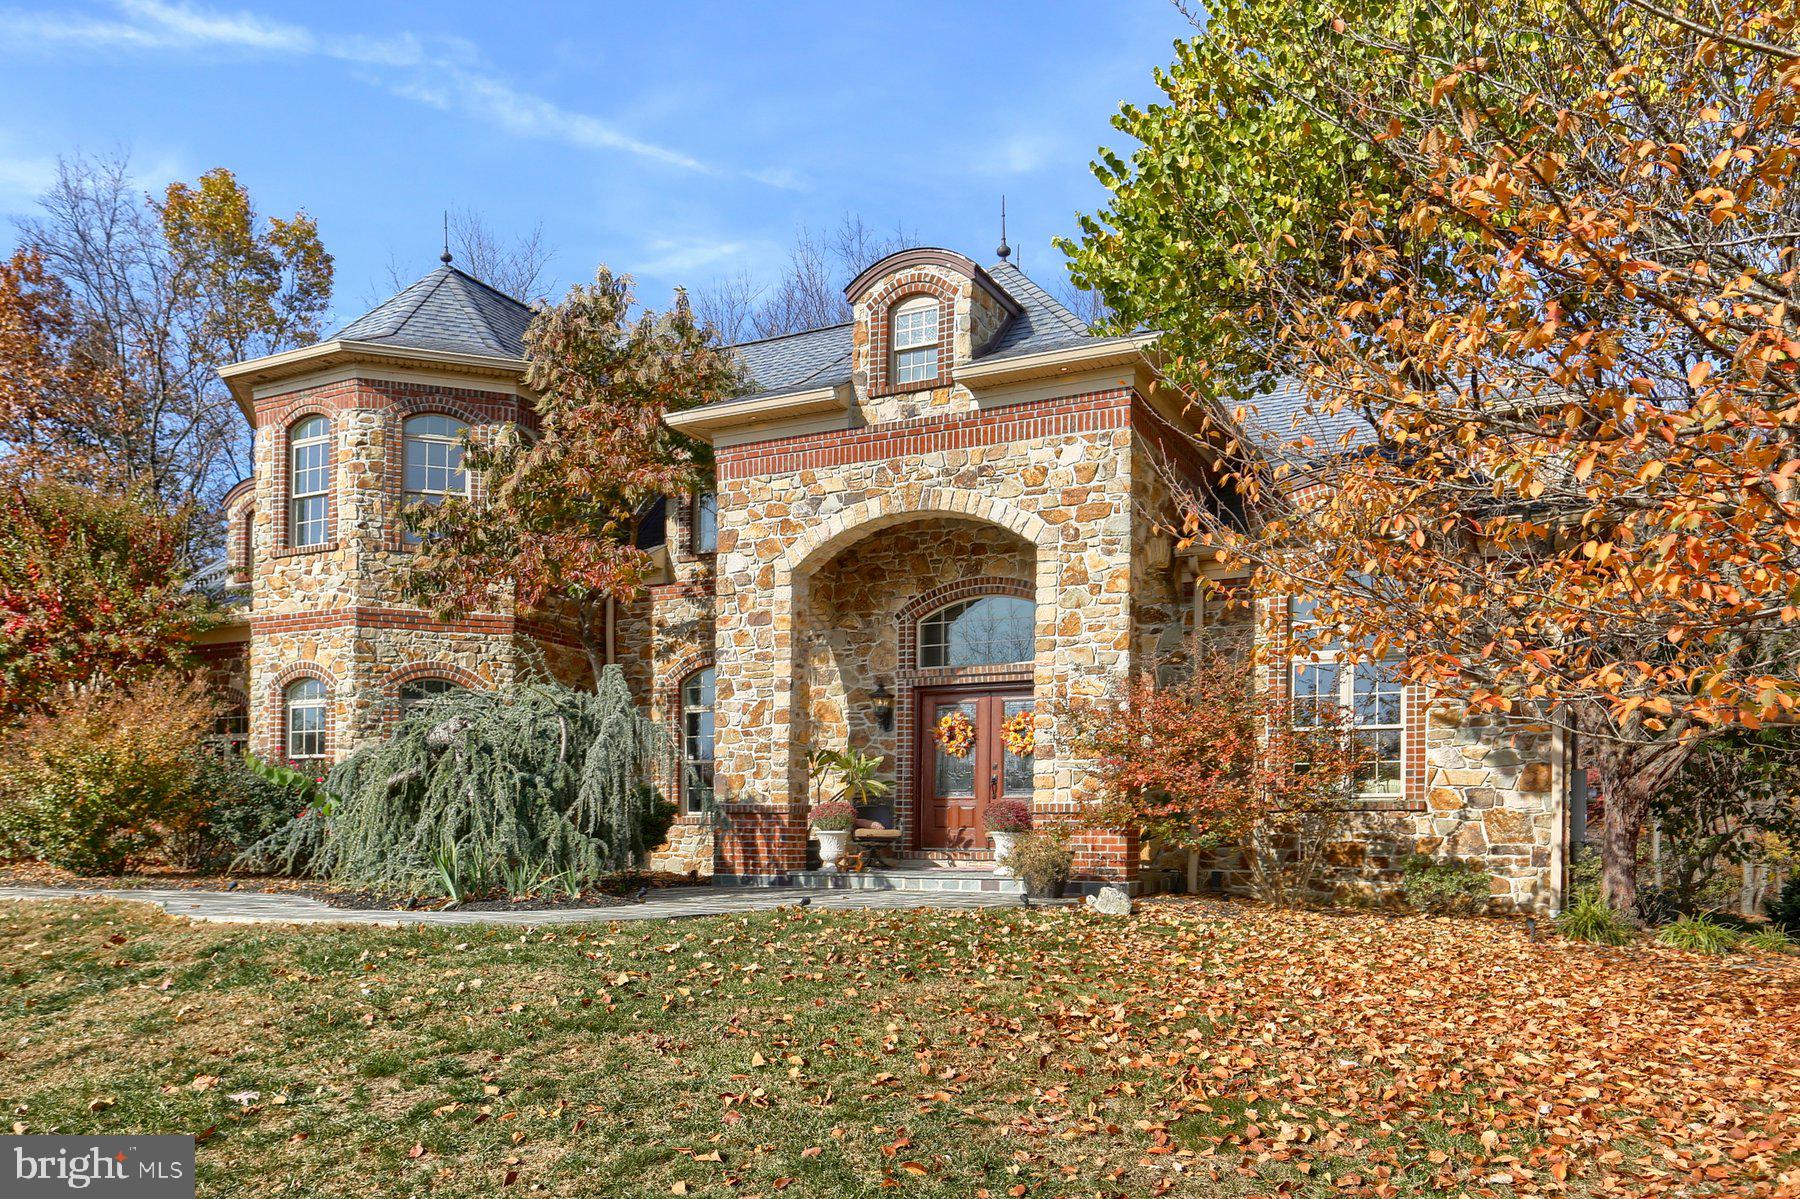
1019 731
956 733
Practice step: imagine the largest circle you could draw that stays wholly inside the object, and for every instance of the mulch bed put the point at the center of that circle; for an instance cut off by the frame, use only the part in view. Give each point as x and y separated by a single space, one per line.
622 891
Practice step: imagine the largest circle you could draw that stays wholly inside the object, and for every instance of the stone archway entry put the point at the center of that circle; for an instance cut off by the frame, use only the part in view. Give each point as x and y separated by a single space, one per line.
954 793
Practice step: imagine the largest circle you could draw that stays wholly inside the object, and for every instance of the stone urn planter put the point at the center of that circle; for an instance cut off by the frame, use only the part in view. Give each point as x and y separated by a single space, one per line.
1003 846
832 843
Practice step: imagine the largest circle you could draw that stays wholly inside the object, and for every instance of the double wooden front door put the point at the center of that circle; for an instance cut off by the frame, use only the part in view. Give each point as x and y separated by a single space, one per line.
954 791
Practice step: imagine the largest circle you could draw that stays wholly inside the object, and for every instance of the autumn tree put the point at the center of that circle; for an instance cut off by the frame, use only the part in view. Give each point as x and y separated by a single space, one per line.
91 591
556 507
138 301
1521 276
1207 758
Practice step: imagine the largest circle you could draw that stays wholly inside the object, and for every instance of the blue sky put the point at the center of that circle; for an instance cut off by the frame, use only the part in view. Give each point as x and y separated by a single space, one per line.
678 142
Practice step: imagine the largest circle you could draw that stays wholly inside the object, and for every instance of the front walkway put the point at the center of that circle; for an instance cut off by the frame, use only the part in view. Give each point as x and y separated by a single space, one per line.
261 907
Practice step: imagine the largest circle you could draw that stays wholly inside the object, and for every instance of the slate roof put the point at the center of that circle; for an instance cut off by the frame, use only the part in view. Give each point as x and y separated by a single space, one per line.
1278 423
821 357
446 310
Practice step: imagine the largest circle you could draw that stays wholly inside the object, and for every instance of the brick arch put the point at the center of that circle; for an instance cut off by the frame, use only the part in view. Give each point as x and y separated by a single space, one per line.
668 699
401 675
284 423
276 748
881 303
393 471
907 621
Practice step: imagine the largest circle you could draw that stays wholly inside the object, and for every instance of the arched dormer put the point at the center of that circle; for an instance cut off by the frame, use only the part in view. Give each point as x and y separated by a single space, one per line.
920 314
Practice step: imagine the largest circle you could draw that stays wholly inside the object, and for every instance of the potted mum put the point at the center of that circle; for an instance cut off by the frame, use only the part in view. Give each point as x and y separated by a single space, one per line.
1006 819
833 821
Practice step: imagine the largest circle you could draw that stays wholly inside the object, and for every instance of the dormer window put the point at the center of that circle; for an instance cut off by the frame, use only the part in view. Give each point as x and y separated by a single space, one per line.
914 327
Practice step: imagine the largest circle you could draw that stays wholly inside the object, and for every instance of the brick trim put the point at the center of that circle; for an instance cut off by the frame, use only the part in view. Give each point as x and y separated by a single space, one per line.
393 478
668 698
412 618
910 678
275 750
429 669
1064 416
880 304
282 481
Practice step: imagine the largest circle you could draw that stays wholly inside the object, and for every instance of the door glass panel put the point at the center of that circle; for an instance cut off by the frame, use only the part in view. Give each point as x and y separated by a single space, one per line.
955 776
1017 780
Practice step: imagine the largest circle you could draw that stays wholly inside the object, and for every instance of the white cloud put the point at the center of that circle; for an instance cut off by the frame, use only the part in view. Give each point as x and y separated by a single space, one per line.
447 71
1018 153
23 178
681 256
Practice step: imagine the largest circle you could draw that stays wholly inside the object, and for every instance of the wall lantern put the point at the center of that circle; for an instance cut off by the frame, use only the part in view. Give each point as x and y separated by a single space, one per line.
884 706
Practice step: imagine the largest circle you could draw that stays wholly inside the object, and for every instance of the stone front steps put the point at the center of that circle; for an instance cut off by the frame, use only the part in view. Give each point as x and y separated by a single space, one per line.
939 881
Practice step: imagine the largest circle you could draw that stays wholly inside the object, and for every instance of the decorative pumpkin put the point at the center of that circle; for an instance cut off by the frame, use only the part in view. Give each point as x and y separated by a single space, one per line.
956 733
1019 732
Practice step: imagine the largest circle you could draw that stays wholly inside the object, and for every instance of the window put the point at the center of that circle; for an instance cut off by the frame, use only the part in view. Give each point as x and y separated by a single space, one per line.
231 728
914 329
706 522
434 460
414 692
305 704
990 631
309 481
697 740
1369 692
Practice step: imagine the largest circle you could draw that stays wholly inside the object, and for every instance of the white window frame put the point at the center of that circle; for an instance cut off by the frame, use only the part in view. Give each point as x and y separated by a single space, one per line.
309 486
317 700
692 765
914 340
705 525
455 478
1355 688
408 703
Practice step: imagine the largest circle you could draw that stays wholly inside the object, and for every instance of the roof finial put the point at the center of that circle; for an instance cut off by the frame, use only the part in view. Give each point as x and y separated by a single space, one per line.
1005 251
445 256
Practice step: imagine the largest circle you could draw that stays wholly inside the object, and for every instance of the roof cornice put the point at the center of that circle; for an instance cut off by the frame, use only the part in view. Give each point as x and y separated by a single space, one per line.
242 378
710 419
1048 364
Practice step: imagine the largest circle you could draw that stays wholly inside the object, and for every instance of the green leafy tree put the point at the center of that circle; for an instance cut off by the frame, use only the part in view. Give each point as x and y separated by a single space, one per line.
556 507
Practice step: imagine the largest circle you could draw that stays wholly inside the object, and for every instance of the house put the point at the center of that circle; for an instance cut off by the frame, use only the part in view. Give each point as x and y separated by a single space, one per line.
951 504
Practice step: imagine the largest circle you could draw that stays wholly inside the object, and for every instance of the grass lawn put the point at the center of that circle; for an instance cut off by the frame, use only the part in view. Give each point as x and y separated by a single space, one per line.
1198 1049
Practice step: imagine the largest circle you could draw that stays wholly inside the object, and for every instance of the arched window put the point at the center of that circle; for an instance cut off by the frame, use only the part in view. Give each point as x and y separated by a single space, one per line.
913 326
309 481
434 459
991 631
697 740
305 704
414 692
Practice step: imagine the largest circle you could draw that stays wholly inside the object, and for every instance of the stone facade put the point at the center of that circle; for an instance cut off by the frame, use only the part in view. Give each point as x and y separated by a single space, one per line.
1036 463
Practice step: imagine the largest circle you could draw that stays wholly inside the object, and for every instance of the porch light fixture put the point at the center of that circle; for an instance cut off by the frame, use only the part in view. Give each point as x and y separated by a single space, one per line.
884 706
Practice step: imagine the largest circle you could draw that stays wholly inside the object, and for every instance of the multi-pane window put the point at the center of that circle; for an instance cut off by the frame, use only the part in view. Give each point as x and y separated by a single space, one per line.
991 631
305 703
231 727
414 692
697 740
309 481
1368 693
434 459
706 522
914 329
